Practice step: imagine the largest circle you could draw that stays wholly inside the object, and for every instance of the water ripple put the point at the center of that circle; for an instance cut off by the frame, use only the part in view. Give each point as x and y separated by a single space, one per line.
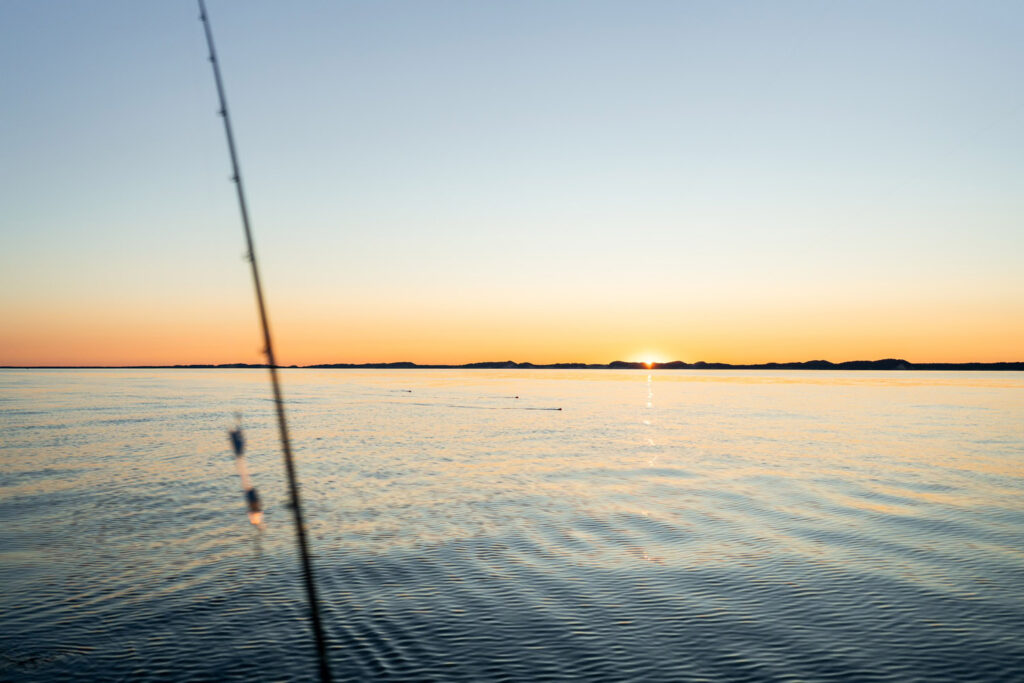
683 527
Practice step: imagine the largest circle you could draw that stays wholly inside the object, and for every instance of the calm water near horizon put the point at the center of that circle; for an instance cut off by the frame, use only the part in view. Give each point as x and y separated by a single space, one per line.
673 525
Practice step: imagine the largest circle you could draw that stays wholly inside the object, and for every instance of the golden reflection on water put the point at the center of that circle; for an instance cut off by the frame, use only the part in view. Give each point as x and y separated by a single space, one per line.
385 461
712 487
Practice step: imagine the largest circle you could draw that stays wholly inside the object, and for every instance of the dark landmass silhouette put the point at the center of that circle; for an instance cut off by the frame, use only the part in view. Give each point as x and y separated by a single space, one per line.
884 364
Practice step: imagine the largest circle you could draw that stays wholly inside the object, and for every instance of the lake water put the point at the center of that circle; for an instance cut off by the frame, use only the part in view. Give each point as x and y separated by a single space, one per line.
674 525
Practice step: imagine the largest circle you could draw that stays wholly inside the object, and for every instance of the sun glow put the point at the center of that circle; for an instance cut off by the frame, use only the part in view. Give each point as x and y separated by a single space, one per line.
649 359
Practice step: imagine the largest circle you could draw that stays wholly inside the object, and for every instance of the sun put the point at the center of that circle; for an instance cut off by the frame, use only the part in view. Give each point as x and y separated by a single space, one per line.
649 359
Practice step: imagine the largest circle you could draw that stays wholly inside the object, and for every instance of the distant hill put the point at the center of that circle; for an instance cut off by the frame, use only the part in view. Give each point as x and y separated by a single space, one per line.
884 364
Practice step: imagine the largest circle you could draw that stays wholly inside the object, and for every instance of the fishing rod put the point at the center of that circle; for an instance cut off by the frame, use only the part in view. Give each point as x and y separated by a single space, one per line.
268 349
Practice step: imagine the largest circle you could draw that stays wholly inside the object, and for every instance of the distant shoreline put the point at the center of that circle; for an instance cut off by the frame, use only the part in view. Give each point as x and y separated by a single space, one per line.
885 364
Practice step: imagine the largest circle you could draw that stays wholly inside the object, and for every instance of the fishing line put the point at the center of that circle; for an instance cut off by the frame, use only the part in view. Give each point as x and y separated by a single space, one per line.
268 349
457 405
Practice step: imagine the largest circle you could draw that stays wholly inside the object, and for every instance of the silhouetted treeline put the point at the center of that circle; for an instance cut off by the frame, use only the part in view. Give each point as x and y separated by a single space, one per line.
884 364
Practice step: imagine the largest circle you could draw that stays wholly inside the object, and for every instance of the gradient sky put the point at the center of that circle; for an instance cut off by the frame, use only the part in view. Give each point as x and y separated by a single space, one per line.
543 181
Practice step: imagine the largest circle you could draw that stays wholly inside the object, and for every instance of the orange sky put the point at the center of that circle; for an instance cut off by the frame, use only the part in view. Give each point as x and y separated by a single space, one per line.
459 334
488 181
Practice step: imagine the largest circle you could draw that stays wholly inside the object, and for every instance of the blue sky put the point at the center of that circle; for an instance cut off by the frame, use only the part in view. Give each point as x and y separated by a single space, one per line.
710 177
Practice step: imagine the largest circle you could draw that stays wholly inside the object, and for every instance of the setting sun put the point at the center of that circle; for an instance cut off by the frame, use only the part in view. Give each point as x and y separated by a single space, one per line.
439 301
649 358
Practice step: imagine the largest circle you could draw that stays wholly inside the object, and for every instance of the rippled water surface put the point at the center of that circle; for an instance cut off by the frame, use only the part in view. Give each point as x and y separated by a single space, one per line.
716 525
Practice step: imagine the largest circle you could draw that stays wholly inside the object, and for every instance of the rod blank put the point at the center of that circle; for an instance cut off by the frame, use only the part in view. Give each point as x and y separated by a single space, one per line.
268 348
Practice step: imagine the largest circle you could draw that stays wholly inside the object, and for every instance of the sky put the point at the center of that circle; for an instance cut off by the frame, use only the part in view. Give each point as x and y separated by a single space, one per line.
450 182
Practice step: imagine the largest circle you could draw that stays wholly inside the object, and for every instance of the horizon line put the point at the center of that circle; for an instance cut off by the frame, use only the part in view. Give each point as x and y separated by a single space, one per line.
882 364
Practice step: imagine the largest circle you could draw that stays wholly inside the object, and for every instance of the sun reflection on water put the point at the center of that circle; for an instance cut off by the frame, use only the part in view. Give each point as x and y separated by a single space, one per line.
746 494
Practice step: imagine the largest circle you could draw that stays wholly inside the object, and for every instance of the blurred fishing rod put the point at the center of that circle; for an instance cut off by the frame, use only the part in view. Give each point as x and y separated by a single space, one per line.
268 348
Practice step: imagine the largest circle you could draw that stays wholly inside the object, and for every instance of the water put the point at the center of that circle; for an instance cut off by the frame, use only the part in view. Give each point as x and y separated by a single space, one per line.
669 526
